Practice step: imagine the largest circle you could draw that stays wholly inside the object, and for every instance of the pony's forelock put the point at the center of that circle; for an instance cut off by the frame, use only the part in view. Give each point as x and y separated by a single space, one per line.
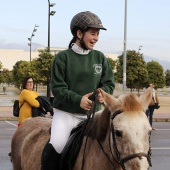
130 103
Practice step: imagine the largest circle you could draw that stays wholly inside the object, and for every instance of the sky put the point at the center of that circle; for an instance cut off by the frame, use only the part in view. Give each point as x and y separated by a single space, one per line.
148 24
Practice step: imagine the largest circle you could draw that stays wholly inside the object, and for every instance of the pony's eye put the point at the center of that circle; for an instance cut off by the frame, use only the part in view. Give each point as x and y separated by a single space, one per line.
118 133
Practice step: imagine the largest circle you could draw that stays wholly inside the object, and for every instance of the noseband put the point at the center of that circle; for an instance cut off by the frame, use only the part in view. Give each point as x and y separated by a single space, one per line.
118 158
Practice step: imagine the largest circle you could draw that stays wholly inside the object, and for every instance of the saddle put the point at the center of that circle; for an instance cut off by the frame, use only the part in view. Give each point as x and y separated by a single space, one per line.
69 154
72 147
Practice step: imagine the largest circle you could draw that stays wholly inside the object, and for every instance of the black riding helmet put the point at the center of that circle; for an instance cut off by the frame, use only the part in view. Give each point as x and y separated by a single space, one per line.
83 21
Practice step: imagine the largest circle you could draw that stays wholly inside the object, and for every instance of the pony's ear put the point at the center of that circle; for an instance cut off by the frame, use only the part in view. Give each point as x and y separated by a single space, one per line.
146 97
111 102
103 124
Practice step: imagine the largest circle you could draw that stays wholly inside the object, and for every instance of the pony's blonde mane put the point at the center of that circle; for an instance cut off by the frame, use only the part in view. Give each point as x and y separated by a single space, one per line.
130 103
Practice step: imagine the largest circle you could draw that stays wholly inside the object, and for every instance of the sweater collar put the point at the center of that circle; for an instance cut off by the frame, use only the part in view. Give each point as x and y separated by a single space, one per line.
79 50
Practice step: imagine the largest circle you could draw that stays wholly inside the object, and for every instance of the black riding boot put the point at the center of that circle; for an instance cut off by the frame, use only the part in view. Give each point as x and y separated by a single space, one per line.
50 158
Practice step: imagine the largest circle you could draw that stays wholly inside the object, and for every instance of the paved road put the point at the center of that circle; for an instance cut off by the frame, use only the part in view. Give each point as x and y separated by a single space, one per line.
160 143
7 129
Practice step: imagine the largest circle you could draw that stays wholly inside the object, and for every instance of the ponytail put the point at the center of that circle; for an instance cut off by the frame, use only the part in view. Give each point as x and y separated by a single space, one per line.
71 42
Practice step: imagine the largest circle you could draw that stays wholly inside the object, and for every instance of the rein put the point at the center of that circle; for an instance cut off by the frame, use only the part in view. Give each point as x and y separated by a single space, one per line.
90 116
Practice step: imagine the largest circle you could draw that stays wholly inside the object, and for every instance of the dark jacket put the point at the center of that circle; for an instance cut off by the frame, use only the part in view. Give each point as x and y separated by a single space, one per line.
45 106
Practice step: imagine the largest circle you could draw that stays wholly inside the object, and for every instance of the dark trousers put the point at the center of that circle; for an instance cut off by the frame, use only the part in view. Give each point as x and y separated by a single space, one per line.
149 113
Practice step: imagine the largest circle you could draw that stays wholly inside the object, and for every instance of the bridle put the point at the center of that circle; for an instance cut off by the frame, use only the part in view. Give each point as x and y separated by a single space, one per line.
118 158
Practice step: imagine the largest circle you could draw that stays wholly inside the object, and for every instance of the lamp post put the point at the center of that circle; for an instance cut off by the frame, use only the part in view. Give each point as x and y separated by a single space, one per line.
138 66
30 39
139 48
49 14
124 54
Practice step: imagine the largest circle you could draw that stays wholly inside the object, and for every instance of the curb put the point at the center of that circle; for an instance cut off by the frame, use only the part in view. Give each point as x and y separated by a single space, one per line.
8 118
16 119
161 119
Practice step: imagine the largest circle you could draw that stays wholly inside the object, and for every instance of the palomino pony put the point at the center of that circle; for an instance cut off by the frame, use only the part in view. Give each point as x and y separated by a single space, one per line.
118 138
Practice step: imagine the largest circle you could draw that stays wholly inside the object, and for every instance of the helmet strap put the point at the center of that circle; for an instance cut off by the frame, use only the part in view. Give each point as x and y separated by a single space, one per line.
82 42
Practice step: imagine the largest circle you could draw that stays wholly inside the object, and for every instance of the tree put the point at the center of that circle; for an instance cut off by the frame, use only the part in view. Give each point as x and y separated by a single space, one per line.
7 76
136 72
38 78
39 69
1 75
167 78
112 63
1 66
20 70
43 66
156 74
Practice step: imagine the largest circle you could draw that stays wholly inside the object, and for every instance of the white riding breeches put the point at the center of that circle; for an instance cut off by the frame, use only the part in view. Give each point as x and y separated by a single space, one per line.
62 124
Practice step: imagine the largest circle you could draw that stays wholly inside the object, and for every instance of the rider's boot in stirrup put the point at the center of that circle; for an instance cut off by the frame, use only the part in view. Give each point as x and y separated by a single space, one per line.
50 158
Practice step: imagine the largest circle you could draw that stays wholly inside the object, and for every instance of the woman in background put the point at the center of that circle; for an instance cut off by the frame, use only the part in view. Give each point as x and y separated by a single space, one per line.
150 110
27 99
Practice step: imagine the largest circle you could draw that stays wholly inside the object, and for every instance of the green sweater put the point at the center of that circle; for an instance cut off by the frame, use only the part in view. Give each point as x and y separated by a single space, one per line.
74 75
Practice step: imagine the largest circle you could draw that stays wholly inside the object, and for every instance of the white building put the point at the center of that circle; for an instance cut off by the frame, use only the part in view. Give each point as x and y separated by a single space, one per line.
9 57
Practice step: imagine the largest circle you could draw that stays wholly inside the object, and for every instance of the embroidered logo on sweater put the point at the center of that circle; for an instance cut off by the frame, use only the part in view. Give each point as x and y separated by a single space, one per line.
97 68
